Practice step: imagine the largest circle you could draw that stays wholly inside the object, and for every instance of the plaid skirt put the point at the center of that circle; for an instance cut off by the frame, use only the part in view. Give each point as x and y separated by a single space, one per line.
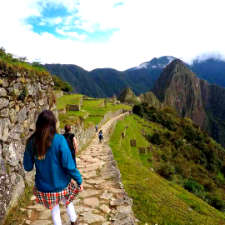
51 199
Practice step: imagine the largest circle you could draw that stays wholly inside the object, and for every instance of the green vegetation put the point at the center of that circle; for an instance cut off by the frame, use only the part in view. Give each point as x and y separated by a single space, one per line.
11 65
61 85
92 109
186 154
155 199
15 216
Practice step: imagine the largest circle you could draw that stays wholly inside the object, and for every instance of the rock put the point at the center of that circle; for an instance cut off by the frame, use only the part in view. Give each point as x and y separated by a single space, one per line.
116 202
37 207
105 209
4 112
90 218
4 129
89 174
42 222
106 195
89 193
96 181
9 152
29 213
3 92
17 191
92 202
3 103
45 215
124 209
22 115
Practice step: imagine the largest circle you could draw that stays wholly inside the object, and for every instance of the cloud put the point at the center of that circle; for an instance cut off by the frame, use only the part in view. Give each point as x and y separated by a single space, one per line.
119 34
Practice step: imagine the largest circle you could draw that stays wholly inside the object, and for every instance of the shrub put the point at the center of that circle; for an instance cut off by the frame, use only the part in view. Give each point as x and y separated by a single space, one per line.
156 139
166 171
194 187
215 201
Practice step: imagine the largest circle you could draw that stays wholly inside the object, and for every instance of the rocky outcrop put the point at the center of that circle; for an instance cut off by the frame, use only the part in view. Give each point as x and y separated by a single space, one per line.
150 99
128 96
23 95
194 98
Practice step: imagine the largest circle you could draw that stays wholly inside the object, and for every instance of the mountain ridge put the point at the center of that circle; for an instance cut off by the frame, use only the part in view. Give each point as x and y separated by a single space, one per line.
97 82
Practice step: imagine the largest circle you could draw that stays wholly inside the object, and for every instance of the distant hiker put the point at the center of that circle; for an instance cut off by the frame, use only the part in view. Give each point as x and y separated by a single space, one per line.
72 142
100 136
96 128
55 168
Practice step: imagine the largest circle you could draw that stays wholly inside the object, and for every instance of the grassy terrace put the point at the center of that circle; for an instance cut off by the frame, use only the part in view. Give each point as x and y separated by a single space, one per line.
11 65
155 200
92 110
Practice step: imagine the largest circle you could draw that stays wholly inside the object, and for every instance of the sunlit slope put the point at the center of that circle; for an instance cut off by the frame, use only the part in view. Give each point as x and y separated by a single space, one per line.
155 199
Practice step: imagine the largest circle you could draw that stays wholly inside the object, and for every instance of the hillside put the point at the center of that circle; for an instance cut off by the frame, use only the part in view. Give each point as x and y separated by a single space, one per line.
180 88
107 82
170 146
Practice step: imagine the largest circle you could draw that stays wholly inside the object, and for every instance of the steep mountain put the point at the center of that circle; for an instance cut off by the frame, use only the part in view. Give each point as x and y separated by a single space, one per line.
194 98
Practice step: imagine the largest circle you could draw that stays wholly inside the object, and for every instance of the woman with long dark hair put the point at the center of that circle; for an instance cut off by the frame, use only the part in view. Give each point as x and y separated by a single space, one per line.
55 168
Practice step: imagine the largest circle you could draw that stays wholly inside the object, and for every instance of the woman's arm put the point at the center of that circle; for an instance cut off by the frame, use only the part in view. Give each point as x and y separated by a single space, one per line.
28 159
75 145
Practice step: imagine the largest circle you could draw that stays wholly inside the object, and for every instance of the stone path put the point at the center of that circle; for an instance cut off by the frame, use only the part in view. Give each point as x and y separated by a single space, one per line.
103 201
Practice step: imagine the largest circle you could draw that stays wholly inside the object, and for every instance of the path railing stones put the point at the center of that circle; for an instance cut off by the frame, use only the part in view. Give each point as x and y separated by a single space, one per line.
104 200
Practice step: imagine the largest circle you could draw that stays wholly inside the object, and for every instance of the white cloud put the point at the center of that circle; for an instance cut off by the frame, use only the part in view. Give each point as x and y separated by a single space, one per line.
146 29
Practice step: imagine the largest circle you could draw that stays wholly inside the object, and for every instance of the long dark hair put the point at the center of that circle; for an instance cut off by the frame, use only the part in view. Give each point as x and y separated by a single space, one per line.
44 133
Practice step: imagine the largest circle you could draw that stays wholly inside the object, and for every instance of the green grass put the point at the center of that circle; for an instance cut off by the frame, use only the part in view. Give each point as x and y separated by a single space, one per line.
155 200
12 65
92 111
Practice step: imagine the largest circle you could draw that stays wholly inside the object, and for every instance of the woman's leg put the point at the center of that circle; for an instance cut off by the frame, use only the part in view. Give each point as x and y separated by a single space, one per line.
71 212
56 215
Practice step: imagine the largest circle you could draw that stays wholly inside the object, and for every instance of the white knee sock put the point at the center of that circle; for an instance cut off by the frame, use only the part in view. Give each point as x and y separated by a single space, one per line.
56 215
71 212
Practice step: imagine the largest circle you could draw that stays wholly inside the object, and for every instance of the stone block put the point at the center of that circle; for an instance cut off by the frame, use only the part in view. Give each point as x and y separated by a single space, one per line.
73 108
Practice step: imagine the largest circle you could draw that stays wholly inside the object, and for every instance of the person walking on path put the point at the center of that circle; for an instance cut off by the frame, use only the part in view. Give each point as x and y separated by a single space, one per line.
72 142
55 168
100 136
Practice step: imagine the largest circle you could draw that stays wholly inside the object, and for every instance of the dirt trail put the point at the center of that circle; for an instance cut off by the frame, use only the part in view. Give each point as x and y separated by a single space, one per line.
103 201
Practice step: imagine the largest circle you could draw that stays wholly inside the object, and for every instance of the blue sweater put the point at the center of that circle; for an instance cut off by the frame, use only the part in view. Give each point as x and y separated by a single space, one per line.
53 173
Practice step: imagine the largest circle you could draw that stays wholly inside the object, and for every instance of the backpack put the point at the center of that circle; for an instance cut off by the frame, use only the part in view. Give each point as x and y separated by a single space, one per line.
69 138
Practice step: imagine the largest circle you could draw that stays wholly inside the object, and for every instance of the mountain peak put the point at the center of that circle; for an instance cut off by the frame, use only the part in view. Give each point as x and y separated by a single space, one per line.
178 86
155 63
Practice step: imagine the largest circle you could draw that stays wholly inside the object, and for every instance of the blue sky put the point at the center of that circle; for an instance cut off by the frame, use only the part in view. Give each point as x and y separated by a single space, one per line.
57 20
111 33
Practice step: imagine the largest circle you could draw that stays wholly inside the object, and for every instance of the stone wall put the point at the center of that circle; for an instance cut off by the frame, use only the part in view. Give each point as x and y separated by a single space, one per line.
22 97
